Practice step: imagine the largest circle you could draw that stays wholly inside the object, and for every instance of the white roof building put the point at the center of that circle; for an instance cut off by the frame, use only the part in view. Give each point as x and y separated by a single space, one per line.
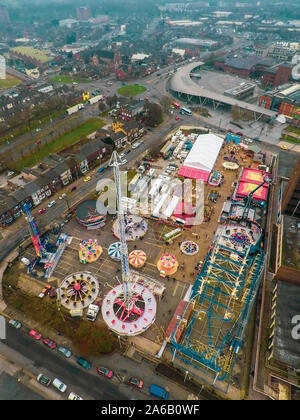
205 152
139 57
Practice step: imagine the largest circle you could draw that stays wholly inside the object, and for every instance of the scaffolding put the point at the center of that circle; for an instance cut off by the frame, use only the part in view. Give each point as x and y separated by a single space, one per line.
222 298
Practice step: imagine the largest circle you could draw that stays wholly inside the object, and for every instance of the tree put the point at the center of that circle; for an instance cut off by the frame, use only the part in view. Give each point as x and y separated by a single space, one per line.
166 103
154 115
91 339
102 107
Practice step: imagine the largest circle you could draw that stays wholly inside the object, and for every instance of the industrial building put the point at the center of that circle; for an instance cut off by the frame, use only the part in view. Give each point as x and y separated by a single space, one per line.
277 75
284 100
244 66
242 91
205 44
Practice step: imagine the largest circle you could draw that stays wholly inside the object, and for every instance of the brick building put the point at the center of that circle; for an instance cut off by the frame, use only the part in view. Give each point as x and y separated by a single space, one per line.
277 76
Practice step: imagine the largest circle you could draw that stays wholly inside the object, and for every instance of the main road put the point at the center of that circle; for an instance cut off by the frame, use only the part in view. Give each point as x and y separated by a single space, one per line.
34 358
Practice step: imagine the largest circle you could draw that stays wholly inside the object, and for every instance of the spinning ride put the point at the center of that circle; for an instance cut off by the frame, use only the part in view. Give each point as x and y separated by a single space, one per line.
78 290
167 265
189 248
89 251
137 258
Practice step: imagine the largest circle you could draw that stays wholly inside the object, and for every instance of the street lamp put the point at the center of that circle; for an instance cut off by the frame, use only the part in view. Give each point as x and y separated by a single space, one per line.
119 338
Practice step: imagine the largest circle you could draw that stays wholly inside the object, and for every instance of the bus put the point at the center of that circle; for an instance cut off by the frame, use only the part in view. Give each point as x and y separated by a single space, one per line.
185 111
176 105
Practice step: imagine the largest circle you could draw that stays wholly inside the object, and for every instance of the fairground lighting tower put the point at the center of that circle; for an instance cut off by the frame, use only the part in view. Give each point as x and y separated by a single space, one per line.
128 308
115 162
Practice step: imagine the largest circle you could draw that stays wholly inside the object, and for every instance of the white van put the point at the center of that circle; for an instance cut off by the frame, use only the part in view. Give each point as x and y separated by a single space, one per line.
74 397
25 261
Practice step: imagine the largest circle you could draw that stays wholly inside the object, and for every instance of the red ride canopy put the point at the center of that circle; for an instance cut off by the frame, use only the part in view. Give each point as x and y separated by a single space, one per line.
193 173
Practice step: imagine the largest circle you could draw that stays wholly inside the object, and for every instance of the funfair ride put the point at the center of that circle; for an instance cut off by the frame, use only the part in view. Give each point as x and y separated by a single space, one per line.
211 328
129 308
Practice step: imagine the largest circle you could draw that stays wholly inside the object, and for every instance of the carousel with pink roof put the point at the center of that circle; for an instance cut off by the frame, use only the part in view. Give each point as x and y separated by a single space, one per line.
129 308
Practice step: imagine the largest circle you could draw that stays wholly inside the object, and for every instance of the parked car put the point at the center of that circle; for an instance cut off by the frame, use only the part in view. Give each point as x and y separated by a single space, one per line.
84 363
58 384
36 335
25 261
73 188
50 343
101 370
177 118
74 396
65 352
45 291
124 161
87 179
63 196
14 323
52 203
122 155
127 152
138 383
41 211
44 380
52 293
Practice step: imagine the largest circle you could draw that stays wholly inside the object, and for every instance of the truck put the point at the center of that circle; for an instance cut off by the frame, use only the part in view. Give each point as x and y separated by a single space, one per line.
159 392
95 99
76 313
74 109
92 312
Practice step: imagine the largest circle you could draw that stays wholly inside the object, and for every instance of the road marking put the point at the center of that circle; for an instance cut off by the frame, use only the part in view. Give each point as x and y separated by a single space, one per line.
175 289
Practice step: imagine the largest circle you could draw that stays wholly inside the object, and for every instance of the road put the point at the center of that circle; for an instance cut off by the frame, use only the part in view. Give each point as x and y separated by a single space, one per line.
29 358
40 359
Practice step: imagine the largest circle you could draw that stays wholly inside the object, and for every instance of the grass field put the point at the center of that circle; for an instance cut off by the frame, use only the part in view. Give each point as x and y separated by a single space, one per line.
131 90
9 82
68 79
291 139
31 125
60 143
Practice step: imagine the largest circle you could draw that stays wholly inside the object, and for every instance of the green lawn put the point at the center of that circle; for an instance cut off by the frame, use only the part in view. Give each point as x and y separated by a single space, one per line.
68 79
291 139
131 90
60 143
9 82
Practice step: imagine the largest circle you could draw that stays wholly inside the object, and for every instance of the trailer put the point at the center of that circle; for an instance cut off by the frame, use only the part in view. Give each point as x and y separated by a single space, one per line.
95 99
74 109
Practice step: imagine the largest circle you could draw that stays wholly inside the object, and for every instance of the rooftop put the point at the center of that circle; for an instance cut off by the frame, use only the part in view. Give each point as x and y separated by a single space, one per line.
286 349
291 243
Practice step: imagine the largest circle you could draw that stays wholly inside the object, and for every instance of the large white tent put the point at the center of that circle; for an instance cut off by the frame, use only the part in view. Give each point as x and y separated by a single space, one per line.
202 157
